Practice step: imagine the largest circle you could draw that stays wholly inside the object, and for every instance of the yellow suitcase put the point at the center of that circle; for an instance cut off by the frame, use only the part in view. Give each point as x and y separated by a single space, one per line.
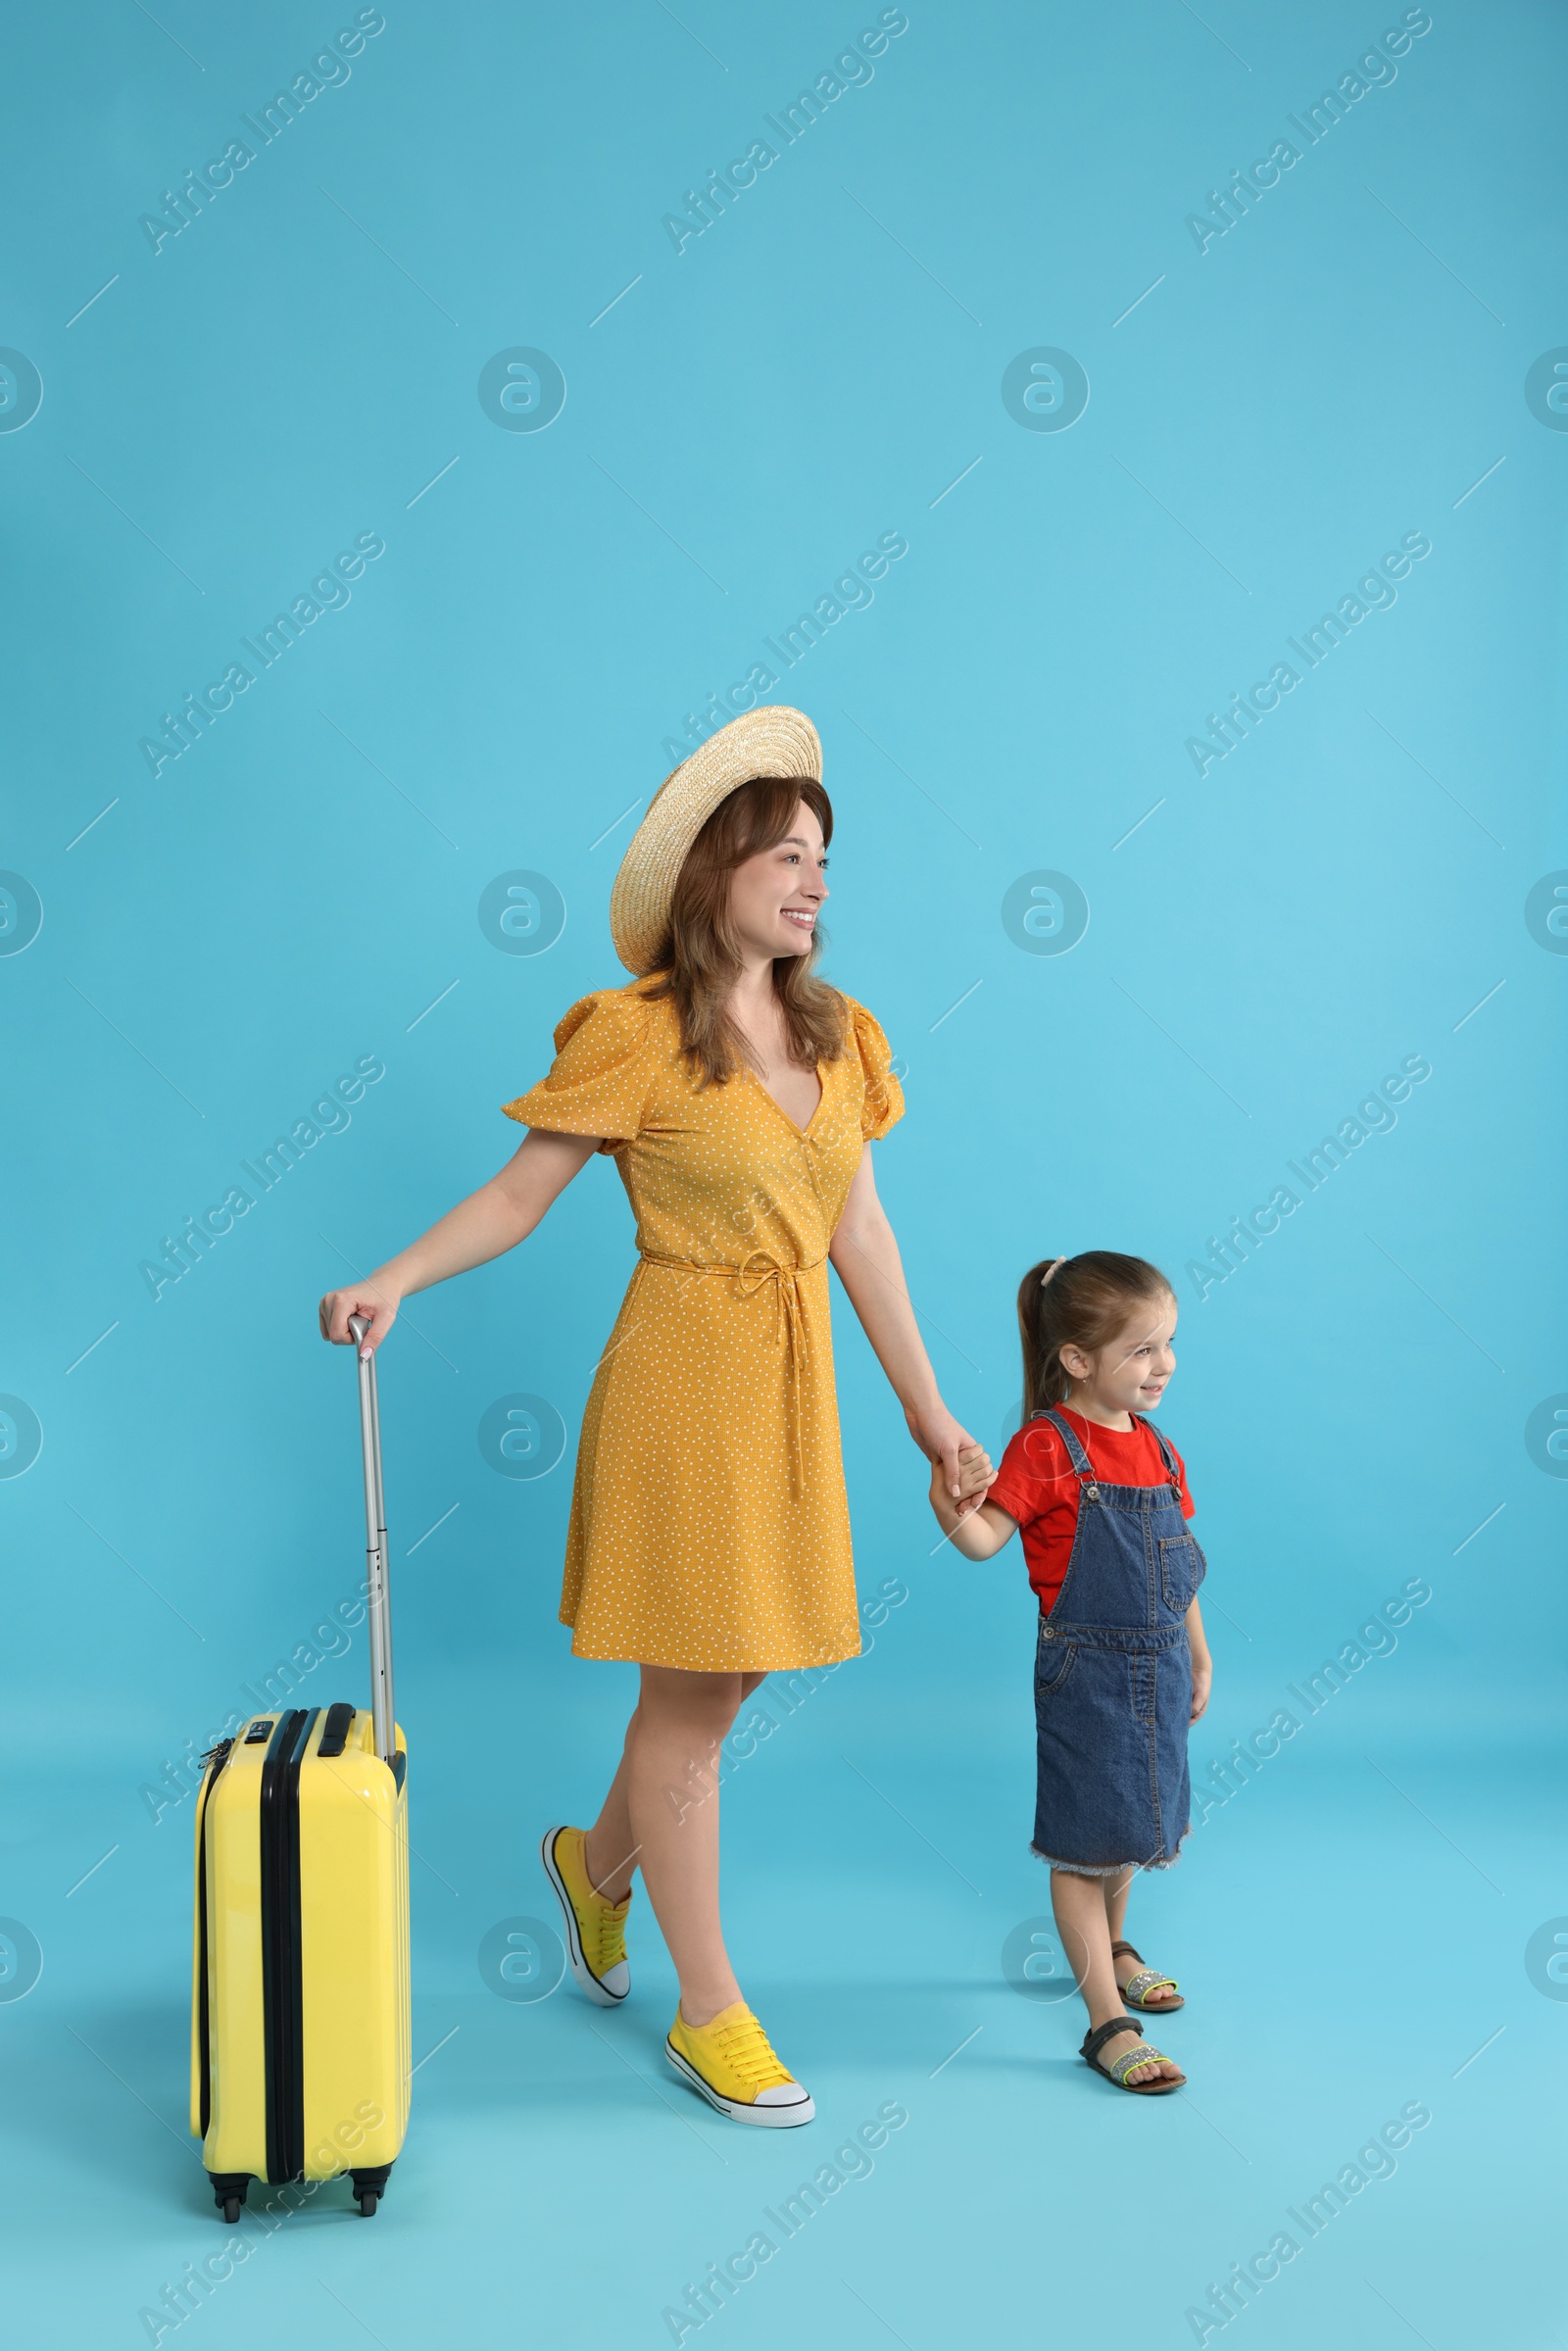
300 2027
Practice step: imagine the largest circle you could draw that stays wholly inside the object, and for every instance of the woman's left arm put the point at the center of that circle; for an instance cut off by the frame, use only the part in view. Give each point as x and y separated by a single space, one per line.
866 1257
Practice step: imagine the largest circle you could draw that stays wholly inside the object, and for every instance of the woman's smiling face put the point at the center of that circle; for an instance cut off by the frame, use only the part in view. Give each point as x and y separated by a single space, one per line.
775 896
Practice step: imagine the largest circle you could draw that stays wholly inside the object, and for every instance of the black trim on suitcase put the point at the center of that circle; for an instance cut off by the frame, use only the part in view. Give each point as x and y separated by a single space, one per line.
215 1760
282 1984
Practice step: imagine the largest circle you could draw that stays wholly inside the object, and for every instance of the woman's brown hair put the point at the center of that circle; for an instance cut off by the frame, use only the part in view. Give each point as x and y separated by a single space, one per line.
700 957
1083 1304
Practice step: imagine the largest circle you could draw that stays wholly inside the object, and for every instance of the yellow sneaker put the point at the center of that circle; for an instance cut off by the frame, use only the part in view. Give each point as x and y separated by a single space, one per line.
595 1940
731 2061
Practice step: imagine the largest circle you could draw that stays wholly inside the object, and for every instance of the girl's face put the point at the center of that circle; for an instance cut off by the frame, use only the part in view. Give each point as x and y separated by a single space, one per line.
1130 1374
774 895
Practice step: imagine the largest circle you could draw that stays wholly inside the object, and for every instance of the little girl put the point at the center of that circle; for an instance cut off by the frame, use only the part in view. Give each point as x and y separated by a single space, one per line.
1122 1666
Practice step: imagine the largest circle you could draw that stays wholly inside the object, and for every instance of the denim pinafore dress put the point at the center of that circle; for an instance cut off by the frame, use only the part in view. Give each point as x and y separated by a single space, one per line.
1113 1677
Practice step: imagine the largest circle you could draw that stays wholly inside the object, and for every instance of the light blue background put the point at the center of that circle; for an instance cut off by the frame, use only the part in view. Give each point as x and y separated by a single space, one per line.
300 889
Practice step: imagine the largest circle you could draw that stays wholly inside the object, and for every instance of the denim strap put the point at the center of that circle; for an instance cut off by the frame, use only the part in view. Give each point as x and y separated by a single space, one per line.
1076 1455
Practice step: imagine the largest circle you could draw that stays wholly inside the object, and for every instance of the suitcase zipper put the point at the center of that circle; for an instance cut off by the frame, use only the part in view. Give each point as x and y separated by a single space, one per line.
282 1986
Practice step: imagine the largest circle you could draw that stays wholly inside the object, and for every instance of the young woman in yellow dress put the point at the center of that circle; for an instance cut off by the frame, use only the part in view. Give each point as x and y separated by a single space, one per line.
739 1095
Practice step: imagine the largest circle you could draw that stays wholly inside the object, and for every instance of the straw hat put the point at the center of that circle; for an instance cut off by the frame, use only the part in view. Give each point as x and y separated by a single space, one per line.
773 741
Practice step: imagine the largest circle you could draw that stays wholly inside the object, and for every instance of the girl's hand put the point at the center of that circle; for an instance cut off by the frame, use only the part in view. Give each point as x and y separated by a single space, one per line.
1202 1664
943 1441
374 1300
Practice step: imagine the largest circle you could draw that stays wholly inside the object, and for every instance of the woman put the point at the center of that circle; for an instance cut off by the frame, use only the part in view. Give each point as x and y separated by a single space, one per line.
709 1540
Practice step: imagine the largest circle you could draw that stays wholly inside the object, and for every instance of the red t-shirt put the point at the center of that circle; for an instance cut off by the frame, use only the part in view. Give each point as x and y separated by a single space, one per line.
1038 1486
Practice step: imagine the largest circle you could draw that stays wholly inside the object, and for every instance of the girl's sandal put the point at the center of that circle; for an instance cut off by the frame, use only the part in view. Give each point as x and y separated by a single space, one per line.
1136 1989
1120 2067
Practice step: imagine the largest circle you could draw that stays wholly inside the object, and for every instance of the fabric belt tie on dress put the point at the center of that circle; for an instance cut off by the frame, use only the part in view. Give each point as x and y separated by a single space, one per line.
789 1326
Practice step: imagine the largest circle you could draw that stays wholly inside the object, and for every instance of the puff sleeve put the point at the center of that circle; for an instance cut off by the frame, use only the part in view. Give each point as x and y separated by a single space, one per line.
599 1081
882 1105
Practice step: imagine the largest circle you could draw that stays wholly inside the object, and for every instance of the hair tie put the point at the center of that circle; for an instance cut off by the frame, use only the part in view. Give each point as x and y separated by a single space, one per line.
1049 1270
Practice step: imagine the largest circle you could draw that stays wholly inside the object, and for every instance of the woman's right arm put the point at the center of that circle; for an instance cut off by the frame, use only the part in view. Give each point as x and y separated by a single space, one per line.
485 1225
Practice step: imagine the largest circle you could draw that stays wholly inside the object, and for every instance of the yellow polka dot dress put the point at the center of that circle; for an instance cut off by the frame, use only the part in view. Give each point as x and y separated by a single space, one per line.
710 1527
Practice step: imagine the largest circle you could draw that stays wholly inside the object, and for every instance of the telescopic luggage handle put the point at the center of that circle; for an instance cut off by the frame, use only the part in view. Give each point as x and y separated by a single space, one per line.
382 1717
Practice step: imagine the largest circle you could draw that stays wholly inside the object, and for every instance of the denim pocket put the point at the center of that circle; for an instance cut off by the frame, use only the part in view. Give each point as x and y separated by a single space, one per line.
1051 1672
1182 1567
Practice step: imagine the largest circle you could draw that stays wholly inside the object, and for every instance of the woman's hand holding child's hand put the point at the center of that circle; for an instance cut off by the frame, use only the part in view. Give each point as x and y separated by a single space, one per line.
974 1526
975 1474
945 1442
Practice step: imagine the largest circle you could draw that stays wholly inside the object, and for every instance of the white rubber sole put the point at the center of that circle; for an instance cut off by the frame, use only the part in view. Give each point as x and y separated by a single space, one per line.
600 1993
772 2118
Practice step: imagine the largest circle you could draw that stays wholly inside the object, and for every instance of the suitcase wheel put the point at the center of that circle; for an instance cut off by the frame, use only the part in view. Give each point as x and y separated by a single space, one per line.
370 2187
229 2190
